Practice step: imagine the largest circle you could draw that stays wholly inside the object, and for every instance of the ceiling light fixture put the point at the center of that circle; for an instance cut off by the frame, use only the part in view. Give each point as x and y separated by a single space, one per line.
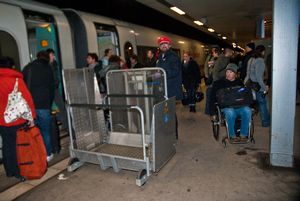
198 22
211 30
181 42
224 37
177 10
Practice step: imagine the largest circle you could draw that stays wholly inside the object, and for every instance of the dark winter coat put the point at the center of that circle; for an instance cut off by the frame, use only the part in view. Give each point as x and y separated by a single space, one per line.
221 84
243 69
190 74
41 83
170 62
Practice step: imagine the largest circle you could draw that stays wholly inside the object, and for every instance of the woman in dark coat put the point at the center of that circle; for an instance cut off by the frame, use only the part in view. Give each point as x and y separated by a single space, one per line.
190 79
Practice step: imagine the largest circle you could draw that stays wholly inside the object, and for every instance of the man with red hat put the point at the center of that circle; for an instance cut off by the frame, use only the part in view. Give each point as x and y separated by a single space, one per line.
170 62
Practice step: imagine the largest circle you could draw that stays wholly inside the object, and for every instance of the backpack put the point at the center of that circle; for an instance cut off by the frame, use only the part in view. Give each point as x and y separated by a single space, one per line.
31 153
235 97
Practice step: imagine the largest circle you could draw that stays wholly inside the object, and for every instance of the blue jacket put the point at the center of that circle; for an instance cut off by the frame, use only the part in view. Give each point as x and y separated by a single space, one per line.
172 65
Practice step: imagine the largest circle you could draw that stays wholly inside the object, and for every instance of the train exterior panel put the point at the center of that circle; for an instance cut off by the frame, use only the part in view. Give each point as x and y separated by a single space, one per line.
72 34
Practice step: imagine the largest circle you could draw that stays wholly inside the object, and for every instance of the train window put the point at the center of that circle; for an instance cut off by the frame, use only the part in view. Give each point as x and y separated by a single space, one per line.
9 48
128 49
107 38
42 33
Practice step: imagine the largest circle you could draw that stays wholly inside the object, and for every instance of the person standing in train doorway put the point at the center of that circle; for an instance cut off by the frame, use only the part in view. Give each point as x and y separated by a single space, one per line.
39 79
170 62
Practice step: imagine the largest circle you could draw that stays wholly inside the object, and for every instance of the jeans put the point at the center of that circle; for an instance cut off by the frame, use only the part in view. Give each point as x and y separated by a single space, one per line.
44 123
231 115
263 109
207 106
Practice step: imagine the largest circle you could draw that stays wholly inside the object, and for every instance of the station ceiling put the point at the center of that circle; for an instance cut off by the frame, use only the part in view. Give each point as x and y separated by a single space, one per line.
234 19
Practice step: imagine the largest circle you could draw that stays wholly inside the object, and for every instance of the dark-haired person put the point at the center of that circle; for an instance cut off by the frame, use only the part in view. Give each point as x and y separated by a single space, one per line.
8 131
93 63
190 79
255 72
151 59
107 54
114 63
134 62
39 79
249 49
58 99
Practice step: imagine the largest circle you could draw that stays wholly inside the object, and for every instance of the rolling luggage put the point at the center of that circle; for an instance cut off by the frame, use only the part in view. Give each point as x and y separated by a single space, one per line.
31 153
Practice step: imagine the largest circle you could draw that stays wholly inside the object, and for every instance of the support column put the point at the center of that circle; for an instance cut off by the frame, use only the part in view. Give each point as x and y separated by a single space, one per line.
285 47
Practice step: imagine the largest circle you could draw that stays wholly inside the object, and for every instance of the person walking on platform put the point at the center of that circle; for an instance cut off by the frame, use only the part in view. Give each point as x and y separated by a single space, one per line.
221 63
8 131
39 79
255 75
190 79
209 75
250 47
170 62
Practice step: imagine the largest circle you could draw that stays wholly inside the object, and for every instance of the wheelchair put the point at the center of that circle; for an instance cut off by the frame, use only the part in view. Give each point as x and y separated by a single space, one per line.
220 120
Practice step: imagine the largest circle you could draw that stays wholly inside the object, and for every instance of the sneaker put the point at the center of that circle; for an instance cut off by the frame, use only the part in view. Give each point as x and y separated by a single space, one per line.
50 157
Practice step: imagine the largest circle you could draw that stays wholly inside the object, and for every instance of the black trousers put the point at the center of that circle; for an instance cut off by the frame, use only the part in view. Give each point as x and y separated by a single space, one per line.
9 135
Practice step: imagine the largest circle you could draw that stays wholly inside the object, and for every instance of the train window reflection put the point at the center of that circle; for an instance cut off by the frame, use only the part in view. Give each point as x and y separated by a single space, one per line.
107 38
128 49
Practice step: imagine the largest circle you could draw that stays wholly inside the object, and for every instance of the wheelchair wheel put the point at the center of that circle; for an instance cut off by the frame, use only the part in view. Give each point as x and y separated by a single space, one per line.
216 130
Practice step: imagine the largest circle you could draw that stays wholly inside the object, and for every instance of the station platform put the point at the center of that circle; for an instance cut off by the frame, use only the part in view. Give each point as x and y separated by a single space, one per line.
201 169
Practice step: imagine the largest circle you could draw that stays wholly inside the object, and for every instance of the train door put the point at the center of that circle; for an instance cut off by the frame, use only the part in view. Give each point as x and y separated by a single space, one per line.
9 48
42 35
107 38
13 36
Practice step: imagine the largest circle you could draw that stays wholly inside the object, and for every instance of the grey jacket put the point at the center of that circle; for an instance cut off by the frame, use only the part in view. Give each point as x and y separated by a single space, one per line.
219 67
255 72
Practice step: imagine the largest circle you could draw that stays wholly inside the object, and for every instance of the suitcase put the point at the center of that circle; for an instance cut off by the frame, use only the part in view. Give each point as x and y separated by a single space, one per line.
31 153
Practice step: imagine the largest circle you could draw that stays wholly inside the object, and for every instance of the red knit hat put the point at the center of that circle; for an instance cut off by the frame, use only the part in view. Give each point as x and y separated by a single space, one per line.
163 39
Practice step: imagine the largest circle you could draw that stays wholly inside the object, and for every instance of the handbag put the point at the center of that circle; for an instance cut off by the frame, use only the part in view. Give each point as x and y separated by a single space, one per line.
199 96
16 107
185 97
252 85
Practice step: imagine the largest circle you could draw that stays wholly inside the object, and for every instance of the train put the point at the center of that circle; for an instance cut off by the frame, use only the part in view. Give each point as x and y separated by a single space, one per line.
27 27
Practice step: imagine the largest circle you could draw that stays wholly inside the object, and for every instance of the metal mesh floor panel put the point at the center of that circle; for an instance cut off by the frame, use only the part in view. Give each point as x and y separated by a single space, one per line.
121 150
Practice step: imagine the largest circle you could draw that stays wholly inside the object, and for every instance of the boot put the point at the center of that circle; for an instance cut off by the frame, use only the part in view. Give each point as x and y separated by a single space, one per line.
192 109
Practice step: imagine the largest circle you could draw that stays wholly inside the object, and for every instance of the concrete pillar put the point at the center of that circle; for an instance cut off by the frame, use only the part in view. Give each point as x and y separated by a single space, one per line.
260 27
285 47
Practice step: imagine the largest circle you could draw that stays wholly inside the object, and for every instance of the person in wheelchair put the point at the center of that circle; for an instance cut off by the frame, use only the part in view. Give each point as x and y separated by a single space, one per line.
231 112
